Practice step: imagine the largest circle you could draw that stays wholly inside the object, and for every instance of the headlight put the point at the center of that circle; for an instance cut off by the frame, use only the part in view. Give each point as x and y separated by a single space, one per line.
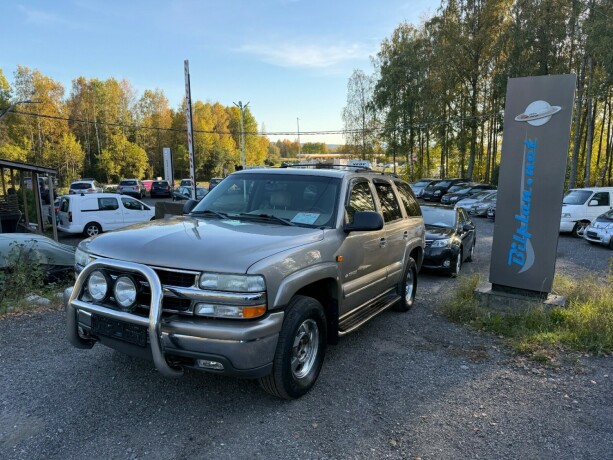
453 198
97 285
125 291
437 192
442 243
81 257
232 283
565 214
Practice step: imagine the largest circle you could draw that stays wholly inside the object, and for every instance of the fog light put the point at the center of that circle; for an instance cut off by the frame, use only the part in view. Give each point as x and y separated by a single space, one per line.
210 364
447 263
125 291
97 285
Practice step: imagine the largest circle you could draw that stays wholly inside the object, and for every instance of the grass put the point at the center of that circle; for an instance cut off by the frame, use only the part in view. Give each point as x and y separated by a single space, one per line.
584 325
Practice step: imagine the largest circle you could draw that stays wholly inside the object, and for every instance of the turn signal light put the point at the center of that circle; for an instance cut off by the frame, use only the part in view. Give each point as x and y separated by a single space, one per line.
253 312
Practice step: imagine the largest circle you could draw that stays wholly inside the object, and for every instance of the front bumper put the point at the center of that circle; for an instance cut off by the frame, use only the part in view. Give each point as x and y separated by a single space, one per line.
567 225
598 235
439 258
244 348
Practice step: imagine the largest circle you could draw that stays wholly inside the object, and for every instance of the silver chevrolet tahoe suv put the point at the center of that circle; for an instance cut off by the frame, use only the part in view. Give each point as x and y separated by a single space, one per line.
257 279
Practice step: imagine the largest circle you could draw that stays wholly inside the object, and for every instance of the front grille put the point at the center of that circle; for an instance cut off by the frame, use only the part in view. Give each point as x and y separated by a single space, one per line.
592 234
171 278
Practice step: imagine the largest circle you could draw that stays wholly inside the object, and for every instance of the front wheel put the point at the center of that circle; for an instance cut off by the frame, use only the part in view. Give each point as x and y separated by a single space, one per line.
300 350
579 229
457 266
407 287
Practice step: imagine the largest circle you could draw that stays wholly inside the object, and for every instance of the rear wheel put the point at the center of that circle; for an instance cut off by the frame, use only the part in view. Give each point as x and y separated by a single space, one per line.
300 350
92 229
407 287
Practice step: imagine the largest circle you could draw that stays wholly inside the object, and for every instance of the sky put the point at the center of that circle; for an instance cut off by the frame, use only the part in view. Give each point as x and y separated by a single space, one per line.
290 59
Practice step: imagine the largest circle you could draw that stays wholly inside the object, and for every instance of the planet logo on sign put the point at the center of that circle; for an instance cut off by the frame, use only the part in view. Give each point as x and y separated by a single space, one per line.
538 113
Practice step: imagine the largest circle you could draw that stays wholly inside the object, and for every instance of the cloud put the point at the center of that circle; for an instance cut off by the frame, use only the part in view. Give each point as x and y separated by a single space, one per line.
305 56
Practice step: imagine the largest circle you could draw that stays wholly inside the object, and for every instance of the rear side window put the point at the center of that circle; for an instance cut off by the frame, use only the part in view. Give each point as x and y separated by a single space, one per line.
389 203
108 204
360 199
410 203
602 198
64 204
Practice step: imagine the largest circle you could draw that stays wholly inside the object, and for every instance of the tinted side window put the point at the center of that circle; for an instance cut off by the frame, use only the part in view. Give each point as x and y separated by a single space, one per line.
360 199
108 204
389 203
410 203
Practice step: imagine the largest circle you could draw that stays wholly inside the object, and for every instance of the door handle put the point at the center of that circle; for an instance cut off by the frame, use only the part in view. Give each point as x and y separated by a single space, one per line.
382 242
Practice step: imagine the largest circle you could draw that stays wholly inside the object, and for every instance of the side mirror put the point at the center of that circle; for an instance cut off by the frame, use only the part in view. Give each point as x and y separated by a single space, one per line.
467 227
189 205
365 221
593 203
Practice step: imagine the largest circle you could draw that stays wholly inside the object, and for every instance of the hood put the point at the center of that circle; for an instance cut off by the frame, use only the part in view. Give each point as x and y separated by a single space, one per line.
436 233
200 244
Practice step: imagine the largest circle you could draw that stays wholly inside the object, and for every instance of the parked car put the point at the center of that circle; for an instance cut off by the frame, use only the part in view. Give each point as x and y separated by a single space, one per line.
133 187
160 188
85 186
456 194
479 208
468 202
55 259
436 191
450 238
419 186
94 214
214 182
601 230
581 206
185 193
186 183
263 274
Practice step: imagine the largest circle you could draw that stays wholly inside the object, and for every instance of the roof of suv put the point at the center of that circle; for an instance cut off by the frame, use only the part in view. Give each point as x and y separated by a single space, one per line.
311 171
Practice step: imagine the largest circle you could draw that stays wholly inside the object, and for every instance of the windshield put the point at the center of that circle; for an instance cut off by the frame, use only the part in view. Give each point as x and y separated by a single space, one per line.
421 183
438 217
576 196
456 188
481 195
301 200
444 183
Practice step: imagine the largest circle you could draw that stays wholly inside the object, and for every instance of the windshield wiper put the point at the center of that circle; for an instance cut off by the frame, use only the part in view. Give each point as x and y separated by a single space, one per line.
268 217
208 212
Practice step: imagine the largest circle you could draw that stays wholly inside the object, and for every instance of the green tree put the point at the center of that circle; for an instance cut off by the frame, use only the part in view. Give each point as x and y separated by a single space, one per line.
121 159
66 157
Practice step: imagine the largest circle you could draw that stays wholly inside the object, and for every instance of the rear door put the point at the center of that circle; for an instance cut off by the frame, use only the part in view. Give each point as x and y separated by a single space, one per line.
109 213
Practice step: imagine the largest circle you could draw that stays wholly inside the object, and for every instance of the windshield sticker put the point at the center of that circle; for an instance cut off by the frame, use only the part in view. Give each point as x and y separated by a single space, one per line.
305 218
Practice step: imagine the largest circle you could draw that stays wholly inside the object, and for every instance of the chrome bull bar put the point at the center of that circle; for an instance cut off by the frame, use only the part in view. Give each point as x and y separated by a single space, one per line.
153 323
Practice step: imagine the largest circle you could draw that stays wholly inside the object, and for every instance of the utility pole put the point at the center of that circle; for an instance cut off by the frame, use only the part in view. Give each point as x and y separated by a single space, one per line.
241 108
298 128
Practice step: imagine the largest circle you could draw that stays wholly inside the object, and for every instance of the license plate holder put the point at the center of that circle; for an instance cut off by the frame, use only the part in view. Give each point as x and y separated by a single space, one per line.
120 330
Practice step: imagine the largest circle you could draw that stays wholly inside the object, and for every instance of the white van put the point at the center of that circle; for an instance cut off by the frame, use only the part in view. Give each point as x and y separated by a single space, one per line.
92 214
582 205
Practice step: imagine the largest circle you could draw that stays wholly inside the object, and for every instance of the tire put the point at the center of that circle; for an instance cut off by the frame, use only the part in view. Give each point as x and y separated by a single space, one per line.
300 350
407 287
579 229
611 244
455 270
472 251
92 229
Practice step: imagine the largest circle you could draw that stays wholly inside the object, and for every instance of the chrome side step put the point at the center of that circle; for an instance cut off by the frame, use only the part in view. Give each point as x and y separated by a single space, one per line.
356 318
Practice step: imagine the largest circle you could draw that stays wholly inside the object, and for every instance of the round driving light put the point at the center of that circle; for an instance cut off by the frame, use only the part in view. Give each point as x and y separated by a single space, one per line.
125 291
97 285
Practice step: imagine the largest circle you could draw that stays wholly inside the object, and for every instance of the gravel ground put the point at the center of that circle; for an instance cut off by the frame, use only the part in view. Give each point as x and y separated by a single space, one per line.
406 385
